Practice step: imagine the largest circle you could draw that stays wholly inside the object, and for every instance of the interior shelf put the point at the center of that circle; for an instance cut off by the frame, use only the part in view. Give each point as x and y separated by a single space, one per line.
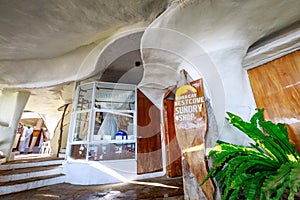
101 110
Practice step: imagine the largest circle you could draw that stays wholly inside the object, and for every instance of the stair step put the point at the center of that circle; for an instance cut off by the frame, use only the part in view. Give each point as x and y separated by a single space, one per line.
25 163
62 155
63 151
30 183
23 173
31 179
2 160
39 159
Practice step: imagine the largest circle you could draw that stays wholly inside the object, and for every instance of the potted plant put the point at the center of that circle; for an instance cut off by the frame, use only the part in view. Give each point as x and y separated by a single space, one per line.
267 169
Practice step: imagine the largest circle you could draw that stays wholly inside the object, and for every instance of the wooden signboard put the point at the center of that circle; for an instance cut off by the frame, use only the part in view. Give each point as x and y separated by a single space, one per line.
191 125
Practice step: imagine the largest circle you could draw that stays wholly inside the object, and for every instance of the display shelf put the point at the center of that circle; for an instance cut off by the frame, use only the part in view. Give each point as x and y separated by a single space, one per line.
113 141
94 127
111 151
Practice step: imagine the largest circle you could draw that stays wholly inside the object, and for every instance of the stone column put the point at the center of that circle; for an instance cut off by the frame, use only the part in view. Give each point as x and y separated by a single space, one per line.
12 104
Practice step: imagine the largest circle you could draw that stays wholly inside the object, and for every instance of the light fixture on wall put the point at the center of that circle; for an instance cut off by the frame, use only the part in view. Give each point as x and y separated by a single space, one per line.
138 63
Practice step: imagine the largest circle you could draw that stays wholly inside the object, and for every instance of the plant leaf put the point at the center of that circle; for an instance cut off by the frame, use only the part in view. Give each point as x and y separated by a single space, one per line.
294 179
253 186
258 116
270 186
265 169
280 135
265 142
234 195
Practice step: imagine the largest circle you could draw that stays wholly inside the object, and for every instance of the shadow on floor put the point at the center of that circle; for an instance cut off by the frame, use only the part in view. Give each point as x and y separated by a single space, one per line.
163 188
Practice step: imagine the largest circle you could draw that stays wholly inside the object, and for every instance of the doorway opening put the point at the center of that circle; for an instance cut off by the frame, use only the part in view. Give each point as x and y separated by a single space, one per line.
32 138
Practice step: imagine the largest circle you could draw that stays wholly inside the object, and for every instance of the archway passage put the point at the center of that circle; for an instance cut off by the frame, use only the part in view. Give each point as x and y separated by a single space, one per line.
276 88
31 135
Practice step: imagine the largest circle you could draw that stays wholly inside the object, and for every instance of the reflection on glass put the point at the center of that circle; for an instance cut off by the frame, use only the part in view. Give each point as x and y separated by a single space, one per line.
117 98
85 97
111 107
78 151
109 123
111 151
116 105
82 126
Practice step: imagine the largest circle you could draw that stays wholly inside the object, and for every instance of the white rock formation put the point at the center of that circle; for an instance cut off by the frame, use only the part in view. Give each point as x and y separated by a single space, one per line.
210 39
45 46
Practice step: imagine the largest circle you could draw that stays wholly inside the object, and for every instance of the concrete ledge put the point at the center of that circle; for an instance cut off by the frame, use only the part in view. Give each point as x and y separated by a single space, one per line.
30 163
32 172
28 184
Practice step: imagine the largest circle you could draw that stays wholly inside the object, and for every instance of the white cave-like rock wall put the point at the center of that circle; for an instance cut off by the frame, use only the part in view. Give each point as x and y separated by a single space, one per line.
11 108
211 39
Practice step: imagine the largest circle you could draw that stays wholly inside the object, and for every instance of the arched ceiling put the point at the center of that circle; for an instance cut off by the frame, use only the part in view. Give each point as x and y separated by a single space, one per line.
36 29
47 45
44 43
212 38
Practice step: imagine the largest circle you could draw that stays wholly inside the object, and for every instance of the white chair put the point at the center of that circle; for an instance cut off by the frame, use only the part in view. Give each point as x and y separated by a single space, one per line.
46 148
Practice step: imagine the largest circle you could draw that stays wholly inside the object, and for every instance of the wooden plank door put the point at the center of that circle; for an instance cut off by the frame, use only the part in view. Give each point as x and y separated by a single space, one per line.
149 153
173 152
276 88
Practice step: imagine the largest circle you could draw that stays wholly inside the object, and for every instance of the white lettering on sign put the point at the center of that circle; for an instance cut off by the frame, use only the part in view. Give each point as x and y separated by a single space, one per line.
188 109
186 106
189 101
188 96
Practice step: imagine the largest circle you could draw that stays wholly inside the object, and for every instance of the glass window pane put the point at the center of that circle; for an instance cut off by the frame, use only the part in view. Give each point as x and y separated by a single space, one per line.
114 97
107 124
111 151
85 97
78 151
81 126
111 133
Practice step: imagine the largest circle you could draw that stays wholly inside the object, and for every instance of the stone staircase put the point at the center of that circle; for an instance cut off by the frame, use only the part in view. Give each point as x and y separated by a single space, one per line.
26 174
62 153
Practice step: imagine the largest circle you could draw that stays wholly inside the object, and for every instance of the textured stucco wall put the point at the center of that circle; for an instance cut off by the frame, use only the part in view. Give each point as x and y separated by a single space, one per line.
211 39
11 109
64 137
46 45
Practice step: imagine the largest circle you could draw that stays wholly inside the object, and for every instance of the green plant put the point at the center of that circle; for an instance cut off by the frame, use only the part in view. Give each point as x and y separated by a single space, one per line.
266 169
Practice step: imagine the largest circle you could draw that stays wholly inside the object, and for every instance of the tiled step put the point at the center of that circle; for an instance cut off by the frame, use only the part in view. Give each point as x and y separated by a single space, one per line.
24 173
25 163
30 183
62 153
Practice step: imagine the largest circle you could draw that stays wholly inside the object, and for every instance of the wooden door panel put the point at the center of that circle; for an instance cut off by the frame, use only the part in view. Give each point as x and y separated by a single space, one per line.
149 158
173 152
276 88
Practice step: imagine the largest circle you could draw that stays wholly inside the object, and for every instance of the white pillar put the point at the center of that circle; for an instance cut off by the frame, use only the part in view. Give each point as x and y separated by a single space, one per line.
12 104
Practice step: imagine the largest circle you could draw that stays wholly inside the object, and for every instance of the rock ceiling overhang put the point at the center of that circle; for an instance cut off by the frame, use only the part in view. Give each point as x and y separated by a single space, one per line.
36 29
217 36
44 43
45 46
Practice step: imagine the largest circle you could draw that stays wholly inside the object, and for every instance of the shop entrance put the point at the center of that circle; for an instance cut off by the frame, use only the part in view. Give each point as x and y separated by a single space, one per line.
31 137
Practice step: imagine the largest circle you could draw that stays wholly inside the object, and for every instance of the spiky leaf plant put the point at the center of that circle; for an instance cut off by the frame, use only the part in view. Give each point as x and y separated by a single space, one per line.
266 169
